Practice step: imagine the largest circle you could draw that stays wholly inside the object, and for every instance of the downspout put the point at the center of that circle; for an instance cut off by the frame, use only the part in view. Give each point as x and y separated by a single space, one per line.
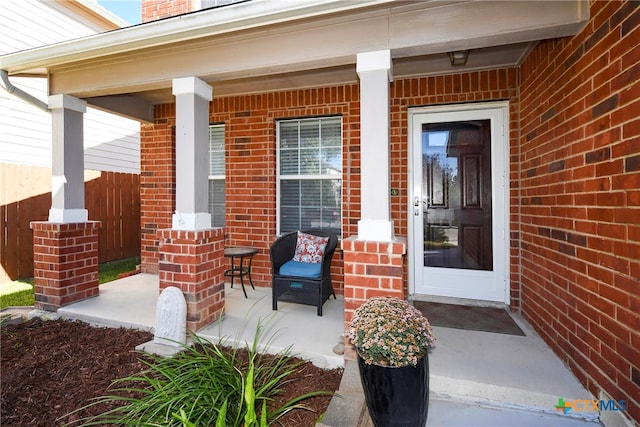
6 85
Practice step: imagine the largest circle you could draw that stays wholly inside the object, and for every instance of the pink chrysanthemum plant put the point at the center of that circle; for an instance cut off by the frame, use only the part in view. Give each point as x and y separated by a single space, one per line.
389 331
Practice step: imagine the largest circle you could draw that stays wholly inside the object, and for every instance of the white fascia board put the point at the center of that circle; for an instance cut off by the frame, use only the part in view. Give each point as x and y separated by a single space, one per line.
241 16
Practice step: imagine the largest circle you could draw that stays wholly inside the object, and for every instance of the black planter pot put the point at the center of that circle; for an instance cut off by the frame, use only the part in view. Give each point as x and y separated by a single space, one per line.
396 396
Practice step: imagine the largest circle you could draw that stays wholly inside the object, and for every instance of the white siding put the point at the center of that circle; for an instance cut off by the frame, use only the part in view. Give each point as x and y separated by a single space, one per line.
111 143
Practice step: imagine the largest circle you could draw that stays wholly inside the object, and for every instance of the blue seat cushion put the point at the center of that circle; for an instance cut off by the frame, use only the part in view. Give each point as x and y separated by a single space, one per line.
301 269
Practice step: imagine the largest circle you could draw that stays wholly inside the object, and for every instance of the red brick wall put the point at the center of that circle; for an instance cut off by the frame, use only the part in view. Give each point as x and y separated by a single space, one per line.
157 182
251 157
371 269
193 262
250 129
157 9
580 185
65 263
481 86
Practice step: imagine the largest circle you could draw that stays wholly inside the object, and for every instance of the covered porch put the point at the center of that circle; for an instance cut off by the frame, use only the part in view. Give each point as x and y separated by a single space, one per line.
363 63
568 234
479 370
366 64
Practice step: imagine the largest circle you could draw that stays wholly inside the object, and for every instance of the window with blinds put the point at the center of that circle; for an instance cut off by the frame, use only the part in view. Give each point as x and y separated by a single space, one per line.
216 175
309 174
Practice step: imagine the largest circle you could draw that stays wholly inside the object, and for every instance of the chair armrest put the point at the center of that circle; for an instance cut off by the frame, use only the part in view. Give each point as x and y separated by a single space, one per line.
282 250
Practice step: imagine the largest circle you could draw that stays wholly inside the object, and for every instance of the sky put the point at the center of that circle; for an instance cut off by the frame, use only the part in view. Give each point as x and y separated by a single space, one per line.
129 10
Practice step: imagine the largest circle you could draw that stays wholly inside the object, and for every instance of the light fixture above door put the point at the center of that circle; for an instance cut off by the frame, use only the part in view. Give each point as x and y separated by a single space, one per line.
458 57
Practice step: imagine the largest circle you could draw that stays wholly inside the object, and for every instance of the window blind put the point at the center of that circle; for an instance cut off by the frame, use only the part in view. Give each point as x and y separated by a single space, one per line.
216 175
310 174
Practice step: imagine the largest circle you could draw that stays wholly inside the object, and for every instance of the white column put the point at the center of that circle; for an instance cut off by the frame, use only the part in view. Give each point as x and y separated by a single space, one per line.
192 154
67 168
374 70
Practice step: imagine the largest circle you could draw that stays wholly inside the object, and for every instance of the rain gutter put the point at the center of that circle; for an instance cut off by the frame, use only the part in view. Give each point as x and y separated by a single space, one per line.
227 19
6 85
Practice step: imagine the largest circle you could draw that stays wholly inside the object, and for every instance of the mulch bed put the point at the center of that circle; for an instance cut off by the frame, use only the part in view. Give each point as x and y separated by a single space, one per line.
51 368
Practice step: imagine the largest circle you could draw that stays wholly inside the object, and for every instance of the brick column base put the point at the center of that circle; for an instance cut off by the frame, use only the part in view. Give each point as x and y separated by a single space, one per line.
193 262
371 269
65 263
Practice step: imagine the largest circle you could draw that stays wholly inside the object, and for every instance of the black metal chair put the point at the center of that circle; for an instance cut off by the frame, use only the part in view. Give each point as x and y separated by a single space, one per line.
301 289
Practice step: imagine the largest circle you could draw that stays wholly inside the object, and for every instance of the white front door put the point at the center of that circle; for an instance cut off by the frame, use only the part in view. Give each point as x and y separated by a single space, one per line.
458 214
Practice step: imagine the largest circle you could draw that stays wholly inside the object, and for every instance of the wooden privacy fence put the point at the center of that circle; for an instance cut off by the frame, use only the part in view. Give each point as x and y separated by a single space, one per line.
112 198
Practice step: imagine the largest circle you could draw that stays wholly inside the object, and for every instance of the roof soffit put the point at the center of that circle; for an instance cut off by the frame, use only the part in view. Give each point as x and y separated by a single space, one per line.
410 30
320 49
233 18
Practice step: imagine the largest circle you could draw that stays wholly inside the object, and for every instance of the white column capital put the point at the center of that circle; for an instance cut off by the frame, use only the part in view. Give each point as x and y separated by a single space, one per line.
67 102
378 60
192 85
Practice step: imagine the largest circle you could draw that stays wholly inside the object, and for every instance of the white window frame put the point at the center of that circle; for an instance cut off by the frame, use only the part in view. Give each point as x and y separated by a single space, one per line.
217 177
308 176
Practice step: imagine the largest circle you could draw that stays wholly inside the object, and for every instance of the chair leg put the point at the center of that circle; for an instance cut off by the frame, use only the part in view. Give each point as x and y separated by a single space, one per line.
332 291
320 298
274 299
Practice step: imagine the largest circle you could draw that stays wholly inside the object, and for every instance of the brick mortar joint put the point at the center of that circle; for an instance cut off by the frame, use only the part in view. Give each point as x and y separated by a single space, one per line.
397 247
195 236
64 227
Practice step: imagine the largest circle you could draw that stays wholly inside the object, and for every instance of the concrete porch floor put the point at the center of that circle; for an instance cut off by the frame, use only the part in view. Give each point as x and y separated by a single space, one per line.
131 302
476 378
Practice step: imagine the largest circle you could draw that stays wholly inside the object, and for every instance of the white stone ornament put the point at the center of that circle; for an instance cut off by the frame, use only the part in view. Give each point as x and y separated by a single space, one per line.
171 318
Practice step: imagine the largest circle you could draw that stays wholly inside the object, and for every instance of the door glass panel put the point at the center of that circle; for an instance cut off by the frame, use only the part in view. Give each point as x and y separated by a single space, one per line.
456 195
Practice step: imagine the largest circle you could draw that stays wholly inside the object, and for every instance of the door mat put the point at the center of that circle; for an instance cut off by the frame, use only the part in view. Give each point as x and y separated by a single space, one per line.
485 319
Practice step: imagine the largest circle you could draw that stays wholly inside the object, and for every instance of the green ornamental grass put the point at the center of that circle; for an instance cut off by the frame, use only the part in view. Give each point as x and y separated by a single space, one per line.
207 384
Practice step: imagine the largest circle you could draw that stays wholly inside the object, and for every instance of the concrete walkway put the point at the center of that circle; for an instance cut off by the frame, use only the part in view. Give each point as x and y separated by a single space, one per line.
349 410
476 378
482 379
